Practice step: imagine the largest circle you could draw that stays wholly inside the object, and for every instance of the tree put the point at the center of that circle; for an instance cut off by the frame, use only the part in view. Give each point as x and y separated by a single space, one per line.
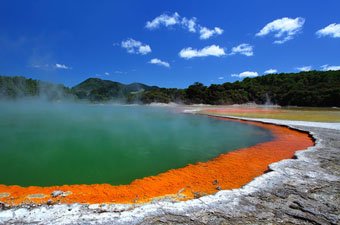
196 93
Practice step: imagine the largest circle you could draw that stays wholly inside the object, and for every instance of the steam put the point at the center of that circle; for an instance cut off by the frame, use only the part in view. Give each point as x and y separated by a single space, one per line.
268 101
20 88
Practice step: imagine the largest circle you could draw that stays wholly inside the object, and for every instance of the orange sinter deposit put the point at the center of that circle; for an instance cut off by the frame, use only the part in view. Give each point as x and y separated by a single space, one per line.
227 171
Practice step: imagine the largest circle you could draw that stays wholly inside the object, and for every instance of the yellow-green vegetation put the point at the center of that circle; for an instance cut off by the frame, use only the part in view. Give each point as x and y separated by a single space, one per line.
301 114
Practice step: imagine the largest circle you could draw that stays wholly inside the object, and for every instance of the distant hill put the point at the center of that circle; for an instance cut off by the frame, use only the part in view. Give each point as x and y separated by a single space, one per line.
313 88
96 89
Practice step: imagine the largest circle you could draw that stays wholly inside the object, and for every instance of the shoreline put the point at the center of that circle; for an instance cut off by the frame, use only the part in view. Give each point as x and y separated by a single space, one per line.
229 204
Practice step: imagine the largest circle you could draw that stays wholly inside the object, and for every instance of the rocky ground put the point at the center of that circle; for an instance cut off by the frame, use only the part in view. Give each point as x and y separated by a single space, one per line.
305 190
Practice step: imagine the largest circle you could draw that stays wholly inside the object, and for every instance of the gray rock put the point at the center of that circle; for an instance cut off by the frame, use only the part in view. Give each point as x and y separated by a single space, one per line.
57 193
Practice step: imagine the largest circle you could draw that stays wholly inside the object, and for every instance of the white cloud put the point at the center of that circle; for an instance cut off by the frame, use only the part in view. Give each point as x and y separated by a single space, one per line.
284 29
62 66
102 74
51 66
328 67
135 47
332 30
246 74
243 49
159 62
220 78
191 25
304 68
206 33
144 49
164 19
213 50
270 71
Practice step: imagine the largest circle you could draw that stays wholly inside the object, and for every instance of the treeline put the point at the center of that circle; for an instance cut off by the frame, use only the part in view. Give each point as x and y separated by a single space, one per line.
20 87
314 88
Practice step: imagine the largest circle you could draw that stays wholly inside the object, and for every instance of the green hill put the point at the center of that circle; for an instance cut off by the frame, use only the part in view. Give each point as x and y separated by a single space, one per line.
96 89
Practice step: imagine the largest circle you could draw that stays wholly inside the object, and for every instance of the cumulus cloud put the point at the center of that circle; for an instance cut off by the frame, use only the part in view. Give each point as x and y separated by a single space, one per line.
332 30
107 73
243 49
220 78
212 50
62 66
270 71
144 49
163 20
190 24
135 47
328 67
206 33
246 74
283 29
304 68
159 62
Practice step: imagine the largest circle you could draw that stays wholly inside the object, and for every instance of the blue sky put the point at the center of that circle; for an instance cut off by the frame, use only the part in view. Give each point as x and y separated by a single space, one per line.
169 43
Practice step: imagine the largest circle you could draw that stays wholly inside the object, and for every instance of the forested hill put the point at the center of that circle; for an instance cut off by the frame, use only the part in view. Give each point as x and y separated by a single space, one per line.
92 89
95 89
314 88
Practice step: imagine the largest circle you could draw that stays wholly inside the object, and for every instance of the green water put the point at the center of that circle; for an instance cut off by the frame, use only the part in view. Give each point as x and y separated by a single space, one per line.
53 144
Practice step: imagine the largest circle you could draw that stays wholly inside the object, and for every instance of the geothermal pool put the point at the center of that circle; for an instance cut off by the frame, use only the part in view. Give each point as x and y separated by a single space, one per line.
48 144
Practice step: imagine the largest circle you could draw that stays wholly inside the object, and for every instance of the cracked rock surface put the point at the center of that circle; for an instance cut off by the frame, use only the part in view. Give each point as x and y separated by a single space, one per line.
305 190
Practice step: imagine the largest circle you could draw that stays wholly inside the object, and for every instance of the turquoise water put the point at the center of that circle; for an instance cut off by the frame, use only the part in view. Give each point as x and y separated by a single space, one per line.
58 143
